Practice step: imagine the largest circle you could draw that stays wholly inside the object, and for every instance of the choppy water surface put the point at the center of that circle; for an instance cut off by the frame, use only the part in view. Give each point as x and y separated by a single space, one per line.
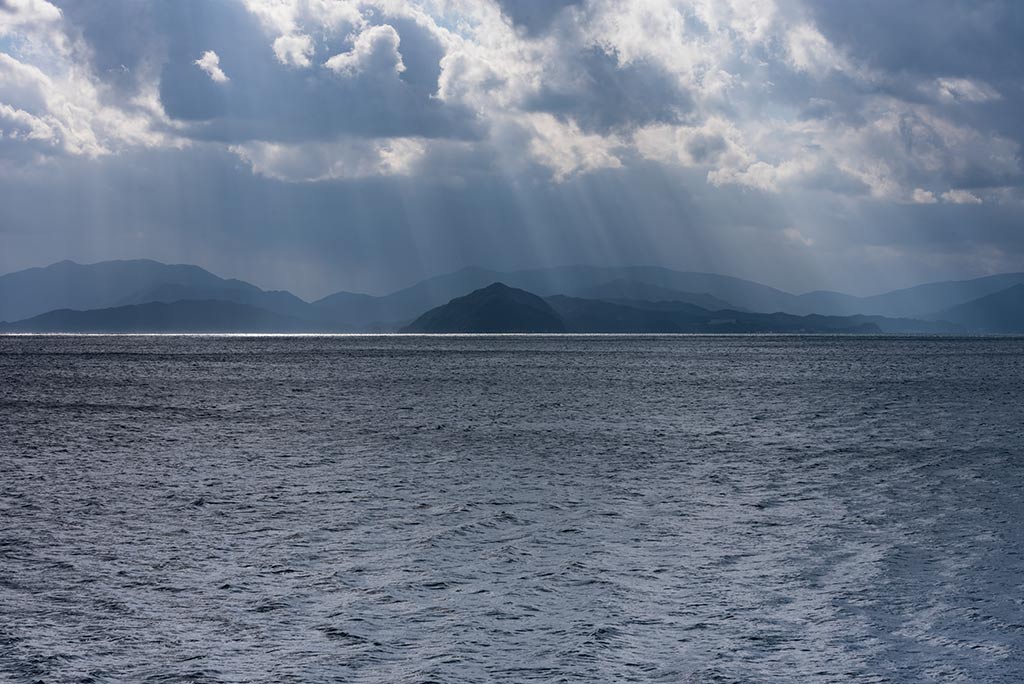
512 509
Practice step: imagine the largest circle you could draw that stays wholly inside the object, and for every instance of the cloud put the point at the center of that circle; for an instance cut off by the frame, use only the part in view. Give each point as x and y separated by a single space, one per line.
794 235
955 39
276 97
805 114
600 94
535 16
64 113
681 83
922 196
961 197
592 85
340 160
965 90
567 150
716 145
24 136
210 63
375 50
20 14
294 49
809 51
309 16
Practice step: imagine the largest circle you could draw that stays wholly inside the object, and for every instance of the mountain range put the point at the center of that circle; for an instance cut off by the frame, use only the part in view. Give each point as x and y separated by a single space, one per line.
498 308
194 316
495 308
122 296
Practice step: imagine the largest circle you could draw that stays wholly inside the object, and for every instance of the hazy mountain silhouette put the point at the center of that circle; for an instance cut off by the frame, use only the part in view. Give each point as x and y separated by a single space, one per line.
885 324
625 291
917 301
499 308
206 316
1001 312
496 308
363 310
407 303
654 283
278 301
67 285
578 280
595 316
568 280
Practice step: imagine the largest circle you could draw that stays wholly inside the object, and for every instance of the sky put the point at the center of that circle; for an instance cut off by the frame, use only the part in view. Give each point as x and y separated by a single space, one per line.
319 145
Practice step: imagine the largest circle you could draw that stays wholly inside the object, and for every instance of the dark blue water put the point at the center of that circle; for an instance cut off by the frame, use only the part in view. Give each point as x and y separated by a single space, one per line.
511 509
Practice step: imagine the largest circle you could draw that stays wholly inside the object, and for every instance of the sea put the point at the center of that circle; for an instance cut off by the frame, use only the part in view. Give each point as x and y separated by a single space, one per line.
404 509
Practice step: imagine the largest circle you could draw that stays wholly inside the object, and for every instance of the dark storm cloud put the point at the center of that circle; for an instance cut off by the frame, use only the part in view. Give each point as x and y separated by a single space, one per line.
263 98
600 94
534 16
421 55
920 41
974 38
123 35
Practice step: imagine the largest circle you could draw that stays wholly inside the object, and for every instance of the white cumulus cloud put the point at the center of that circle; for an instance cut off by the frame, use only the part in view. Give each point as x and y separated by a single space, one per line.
961 197
343 159
922 196
294 49
965 90
210 63
717 94
20 14
374 50
567 150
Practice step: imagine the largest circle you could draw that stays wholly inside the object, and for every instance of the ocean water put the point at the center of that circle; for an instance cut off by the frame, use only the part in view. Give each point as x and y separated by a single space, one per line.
511 509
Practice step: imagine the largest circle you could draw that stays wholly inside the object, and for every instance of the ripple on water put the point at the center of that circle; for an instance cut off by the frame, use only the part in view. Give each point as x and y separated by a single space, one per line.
688 509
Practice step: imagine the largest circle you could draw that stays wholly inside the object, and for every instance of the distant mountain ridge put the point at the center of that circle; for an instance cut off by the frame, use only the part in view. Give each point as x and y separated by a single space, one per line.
917 301
206 316
601 282
633 290
596 316
496 308
68 285
84 287
569 280
1000 312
